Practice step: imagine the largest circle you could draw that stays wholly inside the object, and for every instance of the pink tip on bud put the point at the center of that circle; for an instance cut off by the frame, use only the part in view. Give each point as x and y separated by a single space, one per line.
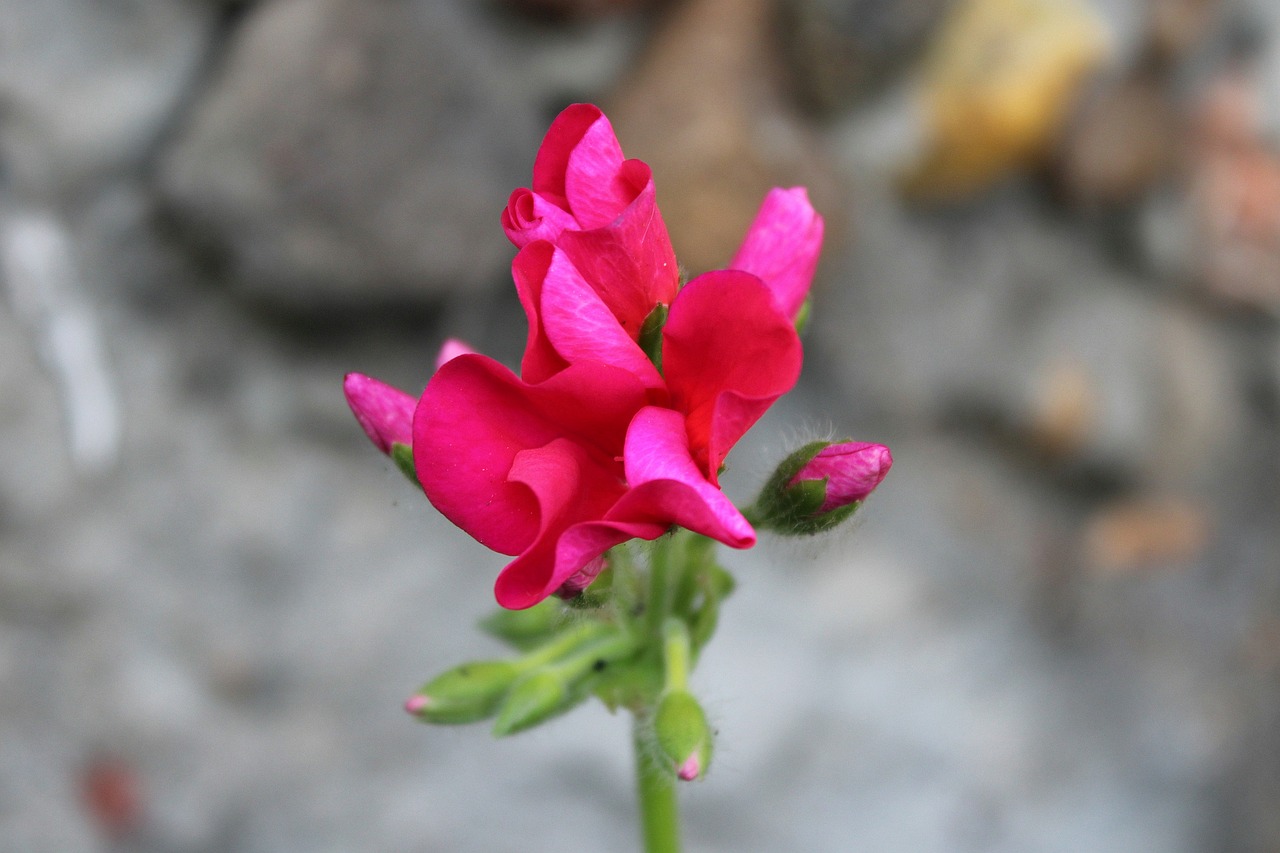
852 470
385 413
691 769
451 349
417 703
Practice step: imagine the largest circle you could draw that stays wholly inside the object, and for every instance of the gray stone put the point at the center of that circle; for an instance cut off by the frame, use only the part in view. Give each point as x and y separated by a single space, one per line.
86 87
356 152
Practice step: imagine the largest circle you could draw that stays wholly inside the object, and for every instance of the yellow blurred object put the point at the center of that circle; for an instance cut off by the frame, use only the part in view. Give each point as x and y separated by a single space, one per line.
997 87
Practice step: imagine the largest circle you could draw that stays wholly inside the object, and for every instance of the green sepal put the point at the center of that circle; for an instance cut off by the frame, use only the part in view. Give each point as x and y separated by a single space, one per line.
402 455
651 334
793 510
467 693
802 316
526 629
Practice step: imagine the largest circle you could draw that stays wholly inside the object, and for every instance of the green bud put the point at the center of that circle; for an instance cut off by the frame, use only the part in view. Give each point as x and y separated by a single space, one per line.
683 734
464 694
529 628
534 699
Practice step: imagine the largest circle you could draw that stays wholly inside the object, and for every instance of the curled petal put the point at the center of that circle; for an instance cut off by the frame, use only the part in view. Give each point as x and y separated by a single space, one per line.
728 353
528 217
782 246
384 413
529 269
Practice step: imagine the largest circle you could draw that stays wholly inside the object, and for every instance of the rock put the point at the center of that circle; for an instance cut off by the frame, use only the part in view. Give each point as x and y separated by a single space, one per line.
837 53
1119 145
1145 533
1004 323
356 152
703 107
997 86
87 86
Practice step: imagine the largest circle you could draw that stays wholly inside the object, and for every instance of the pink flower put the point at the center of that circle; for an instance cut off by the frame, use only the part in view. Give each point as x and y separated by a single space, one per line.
593 444
852 470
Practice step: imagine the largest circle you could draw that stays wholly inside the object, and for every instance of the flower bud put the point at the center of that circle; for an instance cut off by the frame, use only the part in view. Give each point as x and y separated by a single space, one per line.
385 413
820 485
534 699
683 734
525 629
464 694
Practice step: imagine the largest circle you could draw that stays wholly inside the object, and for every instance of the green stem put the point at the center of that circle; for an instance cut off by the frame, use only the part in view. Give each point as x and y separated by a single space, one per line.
659 810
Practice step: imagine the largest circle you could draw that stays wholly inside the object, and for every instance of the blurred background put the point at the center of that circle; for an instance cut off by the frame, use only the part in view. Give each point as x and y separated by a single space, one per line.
1051 284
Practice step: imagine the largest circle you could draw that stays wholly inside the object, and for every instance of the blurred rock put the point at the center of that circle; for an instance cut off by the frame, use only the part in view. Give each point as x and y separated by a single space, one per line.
565 10
998 85
356 152
838 51
86 87
1141 534
1003 323
1120 143
704 108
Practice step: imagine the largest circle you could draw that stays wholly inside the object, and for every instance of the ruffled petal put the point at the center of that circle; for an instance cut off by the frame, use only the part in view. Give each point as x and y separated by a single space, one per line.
476 416
551 166
667 486
728 353
384 413
782 246
629 262
569 485
528 217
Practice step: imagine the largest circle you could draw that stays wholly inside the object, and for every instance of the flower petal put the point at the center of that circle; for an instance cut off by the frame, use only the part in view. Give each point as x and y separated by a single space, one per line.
728 353
782 246
529 269
551 166
581 327
528 217
629 262
852 470
476 416
668 488
384 413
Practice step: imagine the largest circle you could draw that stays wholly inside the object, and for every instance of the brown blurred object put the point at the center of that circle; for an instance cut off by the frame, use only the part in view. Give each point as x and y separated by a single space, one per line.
998 85
112 794
568 10
1121 142
1235 193
1175 28
1145 533
838 51
703 108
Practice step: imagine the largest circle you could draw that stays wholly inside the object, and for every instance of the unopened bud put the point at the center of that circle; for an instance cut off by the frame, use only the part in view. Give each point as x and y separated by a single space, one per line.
385 413
534 699
463 694
526 629
820 485
683 734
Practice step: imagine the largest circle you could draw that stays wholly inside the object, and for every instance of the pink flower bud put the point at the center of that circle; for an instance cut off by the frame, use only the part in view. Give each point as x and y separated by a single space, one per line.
451 349
385 413
852 470
691 769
